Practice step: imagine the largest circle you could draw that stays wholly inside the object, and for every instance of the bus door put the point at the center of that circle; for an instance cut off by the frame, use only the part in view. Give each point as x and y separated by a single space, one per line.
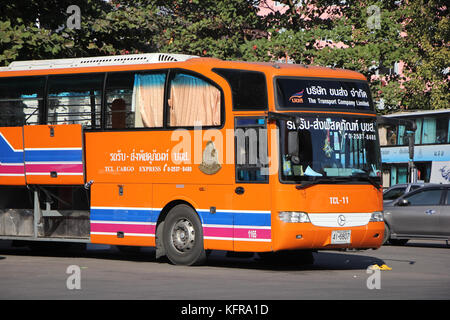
251 197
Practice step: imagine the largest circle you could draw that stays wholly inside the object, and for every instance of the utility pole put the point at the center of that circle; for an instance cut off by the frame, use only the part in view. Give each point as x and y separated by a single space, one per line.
412 173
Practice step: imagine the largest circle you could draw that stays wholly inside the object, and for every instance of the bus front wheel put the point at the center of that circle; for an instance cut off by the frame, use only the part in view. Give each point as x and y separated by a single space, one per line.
183 236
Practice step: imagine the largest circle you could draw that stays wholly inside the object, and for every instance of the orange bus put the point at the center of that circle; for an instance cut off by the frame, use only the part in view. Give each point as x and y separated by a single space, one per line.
189 154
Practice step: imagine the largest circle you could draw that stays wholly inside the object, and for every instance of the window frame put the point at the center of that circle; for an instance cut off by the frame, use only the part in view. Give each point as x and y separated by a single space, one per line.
236 165
411 194
266 92
101 125
418 135
102 96
134 72
166 116
309 113
395 189
41 110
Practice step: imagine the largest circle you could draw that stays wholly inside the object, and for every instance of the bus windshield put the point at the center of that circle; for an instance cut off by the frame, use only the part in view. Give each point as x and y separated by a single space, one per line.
325 147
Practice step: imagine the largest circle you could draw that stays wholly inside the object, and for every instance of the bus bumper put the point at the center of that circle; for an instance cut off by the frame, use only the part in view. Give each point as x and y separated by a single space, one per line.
291 236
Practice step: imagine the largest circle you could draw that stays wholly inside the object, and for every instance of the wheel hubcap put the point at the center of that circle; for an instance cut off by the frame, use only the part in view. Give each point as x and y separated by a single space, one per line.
183 235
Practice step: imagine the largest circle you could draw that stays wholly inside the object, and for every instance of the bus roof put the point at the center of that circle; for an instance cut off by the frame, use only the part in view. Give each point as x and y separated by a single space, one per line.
145 58
285 69
135 61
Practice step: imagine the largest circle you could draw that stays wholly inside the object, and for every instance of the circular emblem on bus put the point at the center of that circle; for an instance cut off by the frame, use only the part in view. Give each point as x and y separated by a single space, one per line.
341 220
210 163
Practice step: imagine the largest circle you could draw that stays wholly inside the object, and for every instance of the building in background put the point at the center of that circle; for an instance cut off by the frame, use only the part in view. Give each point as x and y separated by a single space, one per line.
431 148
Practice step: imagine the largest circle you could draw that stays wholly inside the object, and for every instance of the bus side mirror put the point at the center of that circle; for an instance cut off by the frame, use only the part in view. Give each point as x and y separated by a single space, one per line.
293 149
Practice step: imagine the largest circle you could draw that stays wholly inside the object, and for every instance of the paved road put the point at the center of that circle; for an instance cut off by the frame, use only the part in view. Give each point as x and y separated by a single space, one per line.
420 270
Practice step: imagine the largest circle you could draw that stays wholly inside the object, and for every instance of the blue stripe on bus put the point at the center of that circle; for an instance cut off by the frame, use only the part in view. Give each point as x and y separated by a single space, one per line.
53 155
151 215
122 214
252 219
243 218
224 218
7 154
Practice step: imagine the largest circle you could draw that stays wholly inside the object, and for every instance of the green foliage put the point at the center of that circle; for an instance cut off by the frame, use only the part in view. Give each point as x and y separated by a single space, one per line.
38 29
209 28
427 62
366 36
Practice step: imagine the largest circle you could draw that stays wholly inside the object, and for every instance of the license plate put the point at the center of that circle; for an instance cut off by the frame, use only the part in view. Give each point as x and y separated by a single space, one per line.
340 236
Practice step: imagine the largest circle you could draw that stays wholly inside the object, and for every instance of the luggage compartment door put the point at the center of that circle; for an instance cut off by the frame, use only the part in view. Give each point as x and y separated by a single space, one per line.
54 154
11 156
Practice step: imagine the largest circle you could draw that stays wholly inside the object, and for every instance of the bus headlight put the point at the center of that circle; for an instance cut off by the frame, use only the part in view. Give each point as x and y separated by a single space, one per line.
377 216
293 216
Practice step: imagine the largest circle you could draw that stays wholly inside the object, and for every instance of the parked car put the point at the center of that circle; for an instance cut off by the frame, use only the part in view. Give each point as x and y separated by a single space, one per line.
420 214
394 192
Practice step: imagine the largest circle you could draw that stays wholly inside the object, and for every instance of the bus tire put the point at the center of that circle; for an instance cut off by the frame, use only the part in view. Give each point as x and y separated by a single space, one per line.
183 236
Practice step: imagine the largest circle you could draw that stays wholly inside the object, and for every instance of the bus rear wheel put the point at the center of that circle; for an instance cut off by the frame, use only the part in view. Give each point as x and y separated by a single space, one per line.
183 236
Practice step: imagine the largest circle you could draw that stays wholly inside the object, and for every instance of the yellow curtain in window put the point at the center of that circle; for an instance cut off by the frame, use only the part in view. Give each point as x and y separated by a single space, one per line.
193 101
148 99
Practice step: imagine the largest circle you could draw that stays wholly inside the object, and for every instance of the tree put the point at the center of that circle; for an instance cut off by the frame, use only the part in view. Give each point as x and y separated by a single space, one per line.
370 37
364 36
367 36
427 35
39 29
210 28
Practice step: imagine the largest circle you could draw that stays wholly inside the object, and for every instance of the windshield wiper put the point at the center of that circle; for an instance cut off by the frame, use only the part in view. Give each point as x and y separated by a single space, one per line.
366 176
319 180
307 184
372 181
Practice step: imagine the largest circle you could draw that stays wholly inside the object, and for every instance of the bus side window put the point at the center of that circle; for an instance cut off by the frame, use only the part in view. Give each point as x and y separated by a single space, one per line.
193 102
75 99
135 100
251 149
21 101
248 88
